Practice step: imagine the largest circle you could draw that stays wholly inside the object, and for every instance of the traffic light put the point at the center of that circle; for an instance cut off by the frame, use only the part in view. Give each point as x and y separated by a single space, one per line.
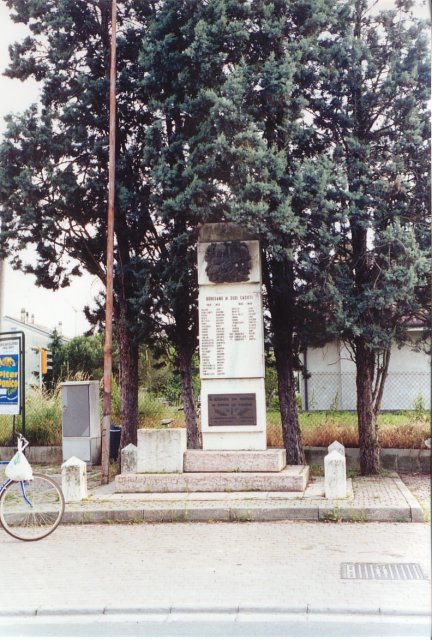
46 360
43 353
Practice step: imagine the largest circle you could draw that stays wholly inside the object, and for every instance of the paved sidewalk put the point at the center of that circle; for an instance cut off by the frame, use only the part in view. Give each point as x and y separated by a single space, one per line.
373 499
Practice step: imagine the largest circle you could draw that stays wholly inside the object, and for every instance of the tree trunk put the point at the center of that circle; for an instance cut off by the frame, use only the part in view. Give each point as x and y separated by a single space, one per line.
381 373
128 352
193 433
279 282
288 408
367 427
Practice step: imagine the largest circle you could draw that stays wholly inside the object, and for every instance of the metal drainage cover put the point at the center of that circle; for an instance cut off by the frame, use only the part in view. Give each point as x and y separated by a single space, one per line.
378 571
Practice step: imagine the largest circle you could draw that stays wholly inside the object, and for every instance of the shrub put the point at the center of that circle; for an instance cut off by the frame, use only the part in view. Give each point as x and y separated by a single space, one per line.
43 419
151 409
420 411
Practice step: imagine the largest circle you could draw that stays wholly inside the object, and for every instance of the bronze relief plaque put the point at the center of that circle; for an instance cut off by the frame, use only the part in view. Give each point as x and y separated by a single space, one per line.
228 262
231 409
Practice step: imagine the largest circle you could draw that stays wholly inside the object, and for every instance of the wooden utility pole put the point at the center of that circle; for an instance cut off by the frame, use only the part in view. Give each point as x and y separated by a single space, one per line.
106 424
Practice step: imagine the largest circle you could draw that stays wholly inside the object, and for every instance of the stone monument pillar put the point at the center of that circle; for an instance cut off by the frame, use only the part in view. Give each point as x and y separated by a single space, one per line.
231 338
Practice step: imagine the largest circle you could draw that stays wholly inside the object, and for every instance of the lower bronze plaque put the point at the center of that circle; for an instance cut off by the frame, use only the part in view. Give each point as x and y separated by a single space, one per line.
231 409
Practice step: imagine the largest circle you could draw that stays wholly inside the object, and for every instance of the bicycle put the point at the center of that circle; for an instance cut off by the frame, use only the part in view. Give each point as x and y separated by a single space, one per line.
30 509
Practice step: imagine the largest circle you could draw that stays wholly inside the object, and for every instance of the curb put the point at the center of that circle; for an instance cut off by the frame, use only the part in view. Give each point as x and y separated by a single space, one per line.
233 610
410 513
417 514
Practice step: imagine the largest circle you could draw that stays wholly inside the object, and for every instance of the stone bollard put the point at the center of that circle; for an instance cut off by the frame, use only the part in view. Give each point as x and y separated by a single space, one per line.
74 479
336 446
129 457
335 475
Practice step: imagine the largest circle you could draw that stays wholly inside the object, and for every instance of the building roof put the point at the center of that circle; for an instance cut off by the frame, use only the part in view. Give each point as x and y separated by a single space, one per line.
31 326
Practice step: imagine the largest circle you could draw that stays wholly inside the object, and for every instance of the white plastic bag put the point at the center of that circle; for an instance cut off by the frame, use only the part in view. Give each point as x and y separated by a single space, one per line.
19 468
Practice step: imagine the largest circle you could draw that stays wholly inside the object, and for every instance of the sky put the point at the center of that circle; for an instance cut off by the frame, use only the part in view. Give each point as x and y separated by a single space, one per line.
66 305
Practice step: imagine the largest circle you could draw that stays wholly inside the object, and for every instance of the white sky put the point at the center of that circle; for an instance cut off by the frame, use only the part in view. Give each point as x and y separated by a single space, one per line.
20 291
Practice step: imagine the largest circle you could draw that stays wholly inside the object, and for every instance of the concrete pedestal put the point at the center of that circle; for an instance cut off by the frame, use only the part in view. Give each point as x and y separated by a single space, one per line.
292 478
161 450
272 460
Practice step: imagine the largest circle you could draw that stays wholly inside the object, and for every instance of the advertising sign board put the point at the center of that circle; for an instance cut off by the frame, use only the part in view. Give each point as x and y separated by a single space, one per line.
10 376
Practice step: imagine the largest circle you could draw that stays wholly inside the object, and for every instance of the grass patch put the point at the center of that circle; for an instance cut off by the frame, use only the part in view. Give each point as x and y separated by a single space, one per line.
402 430
43 419
151 409
399 430
44 416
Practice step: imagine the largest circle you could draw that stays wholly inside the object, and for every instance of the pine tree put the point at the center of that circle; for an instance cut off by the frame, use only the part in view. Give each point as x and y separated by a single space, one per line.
280 175
54 160
186 51
371 108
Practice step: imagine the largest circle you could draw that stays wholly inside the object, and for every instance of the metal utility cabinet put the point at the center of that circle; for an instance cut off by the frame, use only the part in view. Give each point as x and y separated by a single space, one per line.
81 432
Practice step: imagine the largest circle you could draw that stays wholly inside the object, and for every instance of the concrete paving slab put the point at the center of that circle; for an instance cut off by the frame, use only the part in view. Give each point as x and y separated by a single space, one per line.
417 514
291 564
216 496
221 496
370 499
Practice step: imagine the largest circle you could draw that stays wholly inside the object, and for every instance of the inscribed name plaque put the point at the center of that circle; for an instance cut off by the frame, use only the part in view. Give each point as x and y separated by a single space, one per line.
231 332
232 409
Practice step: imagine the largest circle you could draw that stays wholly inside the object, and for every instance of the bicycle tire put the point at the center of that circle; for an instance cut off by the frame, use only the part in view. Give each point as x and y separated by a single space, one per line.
36 521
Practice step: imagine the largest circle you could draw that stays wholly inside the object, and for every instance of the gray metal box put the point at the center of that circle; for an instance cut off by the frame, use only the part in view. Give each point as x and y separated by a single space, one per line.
87 449
81 432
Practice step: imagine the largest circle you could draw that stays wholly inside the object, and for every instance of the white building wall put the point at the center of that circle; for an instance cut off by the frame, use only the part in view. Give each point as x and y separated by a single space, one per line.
332 383
34 339
323 388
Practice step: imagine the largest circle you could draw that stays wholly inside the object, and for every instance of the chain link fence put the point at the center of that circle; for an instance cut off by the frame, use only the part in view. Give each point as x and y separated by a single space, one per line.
337 391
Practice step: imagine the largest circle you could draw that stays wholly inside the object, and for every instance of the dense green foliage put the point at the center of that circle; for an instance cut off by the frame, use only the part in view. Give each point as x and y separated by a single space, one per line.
371 109
303 120
83 355
53 173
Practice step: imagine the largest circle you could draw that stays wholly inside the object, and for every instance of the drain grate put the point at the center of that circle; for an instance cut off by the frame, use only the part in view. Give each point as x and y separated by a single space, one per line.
379 571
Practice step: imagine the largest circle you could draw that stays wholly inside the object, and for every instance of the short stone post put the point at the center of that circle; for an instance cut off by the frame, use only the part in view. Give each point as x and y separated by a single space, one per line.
74 479
129 457
335 475
336 446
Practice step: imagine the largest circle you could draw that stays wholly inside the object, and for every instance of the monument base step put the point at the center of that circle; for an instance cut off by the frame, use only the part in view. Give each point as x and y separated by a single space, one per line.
292 478
271 460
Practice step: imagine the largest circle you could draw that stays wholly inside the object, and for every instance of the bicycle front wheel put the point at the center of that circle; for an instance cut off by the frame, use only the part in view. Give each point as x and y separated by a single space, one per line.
31 510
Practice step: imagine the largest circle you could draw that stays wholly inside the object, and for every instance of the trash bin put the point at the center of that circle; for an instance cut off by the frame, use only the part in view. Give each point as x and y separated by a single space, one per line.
115 434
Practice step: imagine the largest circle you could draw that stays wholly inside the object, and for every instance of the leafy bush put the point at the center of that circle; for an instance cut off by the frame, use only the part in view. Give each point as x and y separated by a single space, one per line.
420 411
151 408
43 419
271 388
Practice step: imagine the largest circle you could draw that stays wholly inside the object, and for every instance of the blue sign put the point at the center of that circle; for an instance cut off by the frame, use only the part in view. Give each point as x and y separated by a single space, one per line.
9 377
